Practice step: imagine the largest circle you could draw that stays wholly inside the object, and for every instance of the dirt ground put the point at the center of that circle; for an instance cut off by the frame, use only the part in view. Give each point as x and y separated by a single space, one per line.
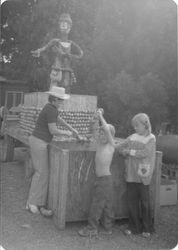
21 230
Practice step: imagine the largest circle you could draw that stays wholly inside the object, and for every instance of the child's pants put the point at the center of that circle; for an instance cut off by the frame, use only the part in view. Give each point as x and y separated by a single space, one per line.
140 218
102 203
39 184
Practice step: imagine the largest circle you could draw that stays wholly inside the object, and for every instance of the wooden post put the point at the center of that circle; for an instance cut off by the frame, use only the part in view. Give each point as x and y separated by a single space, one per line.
63 187
9 148
29 170
60 186
54 173
157 189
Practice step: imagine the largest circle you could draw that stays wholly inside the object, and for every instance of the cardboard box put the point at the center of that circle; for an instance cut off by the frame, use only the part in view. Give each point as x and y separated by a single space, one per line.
168 192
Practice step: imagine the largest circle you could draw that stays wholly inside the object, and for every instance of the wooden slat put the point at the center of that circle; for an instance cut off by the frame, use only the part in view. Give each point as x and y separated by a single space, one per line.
157 184
81 103
75 103
60 187
18 134
9 148
81 178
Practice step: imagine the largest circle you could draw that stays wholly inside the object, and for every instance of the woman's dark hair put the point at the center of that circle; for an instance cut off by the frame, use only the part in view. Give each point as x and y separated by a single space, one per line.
51 98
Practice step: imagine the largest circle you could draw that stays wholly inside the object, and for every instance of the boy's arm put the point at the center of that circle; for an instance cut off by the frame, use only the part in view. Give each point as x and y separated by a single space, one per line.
106 128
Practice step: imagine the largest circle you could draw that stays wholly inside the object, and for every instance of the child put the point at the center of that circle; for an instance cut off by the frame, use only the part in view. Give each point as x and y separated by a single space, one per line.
103 192
139 149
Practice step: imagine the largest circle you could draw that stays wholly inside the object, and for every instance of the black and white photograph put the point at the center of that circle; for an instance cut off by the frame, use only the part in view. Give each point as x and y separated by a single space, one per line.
88 125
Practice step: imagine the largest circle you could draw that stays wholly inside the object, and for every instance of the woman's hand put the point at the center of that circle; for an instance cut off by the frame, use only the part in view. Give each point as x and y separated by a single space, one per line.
68 133
75 133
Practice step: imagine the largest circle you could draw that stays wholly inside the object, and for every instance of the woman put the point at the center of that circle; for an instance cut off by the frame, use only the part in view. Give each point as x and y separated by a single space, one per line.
45 129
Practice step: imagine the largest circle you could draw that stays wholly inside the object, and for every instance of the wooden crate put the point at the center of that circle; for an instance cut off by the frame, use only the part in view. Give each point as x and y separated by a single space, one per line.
75 103
72 178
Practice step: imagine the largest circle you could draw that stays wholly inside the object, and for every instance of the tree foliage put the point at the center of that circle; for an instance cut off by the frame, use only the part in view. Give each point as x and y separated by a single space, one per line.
129 60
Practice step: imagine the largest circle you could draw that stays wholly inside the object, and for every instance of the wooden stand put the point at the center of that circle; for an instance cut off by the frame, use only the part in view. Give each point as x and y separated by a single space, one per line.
71 181
72 177
58 187
72 172
75 103
155 187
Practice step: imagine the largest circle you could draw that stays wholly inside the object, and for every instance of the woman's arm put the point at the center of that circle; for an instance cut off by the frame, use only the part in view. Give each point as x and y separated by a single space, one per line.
55 131
63 122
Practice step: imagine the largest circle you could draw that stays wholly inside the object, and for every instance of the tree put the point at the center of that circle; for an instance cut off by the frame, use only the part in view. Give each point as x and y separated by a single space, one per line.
124 97
155 98
29 24
130 51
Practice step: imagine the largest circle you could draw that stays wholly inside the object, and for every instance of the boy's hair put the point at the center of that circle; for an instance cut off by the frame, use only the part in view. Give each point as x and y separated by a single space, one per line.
143 119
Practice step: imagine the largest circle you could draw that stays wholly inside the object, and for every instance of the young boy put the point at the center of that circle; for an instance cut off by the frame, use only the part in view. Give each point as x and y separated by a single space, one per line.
103 190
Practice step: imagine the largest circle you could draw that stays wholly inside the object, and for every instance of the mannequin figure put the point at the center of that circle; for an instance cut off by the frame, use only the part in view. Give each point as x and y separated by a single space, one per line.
64 51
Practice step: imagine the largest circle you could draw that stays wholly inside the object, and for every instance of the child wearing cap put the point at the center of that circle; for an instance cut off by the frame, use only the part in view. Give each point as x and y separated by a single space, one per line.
139 150
102 199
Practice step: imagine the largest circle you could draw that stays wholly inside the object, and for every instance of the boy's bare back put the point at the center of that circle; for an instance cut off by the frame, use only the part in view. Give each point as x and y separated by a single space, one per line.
103 158
105 148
